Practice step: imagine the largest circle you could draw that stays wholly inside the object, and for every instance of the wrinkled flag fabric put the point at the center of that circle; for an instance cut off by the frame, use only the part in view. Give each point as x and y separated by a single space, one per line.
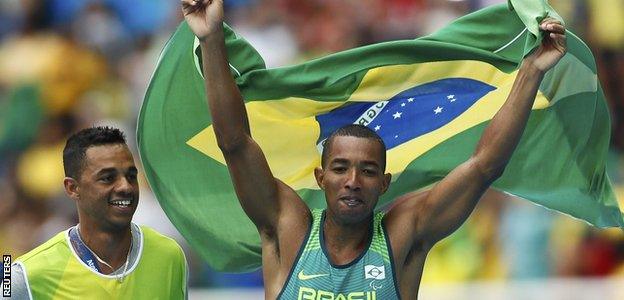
429 99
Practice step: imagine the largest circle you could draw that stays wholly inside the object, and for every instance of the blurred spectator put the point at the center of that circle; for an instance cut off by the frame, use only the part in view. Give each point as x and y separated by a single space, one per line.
261 25
440 13
64 70
606 36
98 27
525 239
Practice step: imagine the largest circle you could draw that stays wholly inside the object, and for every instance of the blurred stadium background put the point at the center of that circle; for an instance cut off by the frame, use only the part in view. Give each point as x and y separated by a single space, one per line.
67 64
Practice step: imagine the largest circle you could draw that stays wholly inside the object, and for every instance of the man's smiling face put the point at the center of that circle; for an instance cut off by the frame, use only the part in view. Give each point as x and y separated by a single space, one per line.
107 188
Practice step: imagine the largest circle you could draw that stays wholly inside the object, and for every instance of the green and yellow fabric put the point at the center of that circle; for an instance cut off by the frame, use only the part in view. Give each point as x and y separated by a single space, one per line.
54 271
428 98
369 277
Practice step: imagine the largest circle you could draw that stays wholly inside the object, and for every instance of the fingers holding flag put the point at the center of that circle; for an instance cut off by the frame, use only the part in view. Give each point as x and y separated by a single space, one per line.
556 33
553 46
553 26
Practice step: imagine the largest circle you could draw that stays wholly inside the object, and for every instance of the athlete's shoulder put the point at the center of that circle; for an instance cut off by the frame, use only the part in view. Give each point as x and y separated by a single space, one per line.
406 209
45 249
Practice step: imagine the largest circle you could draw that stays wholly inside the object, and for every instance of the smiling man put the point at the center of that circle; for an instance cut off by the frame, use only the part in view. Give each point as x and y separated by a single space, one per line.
348 251
105 256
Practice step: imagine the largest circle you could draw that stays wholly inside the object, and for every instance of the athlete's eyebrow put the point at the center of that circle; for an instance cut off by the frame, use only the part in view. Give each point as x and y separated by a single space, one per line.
370 163
363 163
105 171
339 161
132 170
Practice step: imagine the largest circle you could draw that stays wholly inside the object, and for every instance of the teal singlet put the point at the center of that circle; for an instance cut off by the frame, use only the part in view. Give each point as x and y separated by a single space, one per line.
369 277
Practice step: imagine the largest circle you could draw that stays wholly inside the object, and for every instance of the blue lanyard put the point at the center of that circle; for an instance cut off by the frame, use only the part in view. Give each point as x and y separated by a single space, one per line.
83 251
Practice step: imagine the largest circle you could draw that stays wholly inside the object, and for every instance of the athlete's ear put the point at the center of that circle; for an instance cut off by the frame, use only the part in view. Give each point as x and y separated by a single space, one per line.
386 182
318 174
72 189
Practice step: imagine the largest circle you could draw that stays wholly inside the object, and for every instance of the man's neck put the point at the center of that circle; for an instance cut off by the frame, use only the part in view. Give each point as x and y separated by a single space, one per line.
113 247
345 242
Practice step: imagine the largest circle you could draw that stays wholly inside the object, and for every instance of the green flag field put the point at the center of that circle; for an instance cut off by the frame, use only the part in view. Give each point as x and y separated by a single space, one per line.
429 99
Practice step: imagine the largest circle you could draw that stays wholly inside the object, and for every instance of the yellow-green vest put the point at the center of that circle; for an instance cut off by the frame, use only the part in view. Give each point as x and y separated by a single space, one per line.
54 271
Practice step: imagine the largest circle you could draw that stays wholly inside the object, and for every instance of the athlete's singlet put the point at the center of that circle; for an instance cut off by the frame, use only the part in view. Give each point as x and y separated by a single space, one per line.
369 277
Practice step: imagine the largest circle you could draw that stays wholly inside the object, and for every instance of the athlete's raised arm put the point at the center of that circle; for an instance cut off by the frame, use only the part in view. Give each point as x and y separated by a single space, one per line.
439 212
263 197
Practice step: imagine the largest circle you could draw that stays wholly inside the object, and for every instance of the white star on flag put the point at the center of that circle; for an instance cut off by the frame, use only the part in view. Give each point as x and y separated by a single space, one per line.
397 115
450 96
377 127
402 104
437 110
410 99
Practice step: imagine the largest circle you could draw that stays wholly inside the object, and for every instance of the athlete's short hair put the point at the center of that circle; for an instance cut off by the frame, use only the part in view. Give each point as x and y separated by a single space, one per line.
355 130
77 145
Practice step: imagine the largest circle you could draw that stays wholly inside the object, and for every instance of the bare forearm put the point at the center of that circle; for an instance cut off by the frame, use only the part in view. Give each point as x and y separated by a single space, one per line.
502 135
450 201
254 184
229 117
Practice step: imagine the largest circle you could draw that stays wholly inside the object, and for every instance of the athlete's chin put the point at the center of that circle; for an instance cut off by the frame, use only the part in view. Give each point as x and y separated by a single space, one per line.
351 215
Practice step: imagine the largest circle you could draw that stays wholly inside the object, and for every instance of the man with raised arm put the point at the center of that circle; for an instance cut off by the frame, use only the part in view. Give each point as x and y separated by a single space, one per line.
347 251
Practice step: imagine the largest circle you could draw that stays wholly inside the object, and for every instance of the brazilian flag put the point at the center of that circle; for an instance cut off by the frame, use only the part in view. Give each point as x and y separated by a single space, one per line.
429 99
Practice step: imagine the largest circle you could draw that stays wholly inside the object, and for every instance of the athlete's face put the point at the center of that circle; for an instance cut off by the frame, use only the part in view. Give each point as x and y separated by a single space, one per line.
352 178
107 191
